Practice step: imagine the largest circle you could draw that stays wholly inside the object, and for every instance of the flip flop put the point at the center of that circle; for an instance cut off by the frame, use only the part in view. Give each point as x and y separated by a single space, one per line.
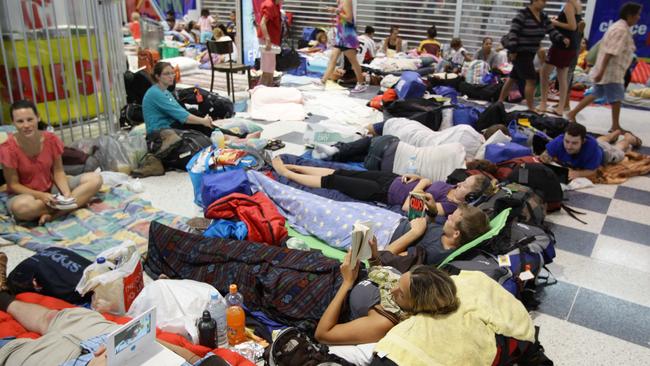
637 141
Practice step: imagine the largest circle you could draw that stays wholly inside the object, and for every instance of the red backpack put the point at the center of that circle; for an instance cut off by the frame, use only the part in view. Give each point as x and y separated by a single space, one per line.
264 222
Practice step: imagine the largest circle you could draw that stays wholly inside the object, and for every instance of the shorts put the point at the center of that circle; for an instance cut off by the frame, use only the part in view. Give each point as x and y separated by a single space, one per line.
611 153
73 182
344 48
267 62
611 93
62 340
523 67
560 57
362 185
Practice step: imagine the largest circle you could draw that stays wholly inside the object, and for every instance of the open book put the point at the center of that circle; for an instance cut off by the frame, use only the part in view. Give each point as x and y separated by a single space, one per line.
360 248
417 205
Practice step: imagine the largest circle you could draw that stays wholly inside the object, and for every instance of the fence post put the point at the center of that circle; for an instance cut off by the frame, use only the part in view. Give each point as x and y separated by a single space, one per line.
457 17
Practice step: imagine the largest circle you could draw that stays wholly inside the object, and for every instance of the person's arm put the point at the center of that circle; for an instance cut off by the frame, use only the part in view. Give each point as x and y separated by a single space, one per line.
265 33
418 228
367 329
59 178
384 47
546 158
13 183
201 121
423 184
571 24
580 173
347 12
398 46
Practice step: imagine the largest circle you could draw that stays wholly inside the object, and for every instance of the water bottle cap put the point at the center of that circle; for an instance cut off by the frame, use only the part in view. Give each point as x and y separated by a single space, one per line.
214 294
233 288
101 260
206 315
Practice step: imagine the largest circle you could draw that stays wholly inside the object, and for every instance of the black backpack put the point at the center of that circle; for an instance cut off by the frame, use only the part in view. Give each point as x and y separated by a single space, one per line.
216 106
293 347
193 142
487 92
551 126
53 272
542 180
426 111
495 114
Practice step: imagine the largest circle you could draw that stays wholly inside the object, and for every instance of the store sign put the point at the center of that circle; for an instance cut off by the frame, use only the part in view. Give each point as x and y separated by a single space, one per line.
607 12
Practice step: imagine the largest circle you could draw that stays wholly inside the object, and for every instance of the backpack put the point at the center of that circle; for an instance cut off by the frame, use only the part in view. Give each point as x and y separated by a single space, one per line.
476 71
131 116
526 205
466 115
551 126
503 151
426 111
489 92
193 142
53 272
410 85
216 106
293 347
495 114
542 180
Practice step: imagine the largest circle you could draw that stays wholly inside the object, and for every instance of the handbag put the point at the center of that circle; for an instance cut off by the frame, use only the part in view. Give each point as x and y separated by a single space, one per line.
287 59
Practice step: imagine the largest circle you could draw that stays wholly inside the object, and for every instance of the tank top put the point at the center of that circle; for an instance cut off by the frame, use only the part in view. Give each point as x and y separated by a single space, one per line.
346 32
574 36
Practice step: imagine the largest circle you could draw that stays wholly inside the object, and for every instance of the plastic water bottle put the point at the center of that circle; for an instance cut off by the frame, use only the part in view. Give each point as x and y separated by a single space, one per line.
235 316
207 331
217 309
218 139
412 167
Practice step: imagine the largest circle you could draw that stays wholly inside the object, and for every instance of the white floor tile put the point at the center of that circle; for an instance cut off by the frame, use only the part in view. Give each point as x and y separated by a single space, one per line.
569 344
622 252
594 220
629 211
603 190
172 192
642 183
626 283
280 128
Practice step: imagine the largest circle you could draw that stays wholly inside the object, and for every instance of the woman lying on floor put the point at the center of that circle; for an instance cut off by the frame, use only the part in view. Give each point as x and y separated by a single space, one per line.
442 199
33 170
387 153
303 288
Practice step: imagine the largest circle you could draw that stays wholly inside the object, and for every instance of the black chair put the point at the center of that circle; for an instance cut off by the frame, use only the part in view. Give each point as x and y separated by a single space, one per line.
229 67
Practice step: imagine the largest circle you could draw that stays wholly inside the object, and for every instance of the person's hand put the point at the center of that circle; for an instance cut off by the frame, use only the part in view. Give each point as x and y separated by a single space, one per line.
429 201
100 357
554 22
573 174
567 42
419 225
349 272
207 121
267 44
373 247
598 77
408 178
46 197
512 56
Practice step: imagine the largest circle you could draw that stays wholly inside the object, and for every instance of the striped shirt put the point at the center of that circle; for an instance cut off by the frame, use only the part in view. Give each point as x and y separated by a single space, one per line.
526 32
619 43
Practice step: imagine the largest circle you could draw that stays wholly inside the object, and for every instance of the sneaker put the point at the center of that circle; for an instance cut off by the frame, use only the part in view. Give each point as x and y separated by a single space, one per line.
149 166
359 88
3 272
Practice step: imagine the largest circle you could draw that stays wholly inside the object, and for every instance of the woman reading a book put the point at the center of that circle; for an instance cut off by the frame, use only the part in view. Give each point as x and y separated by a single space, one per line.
386 187
33 169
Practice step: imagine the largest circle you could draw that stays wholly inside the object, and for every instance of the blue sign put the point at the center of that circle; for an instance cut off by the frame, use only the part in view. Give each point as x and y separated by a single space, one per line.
250 42
607 12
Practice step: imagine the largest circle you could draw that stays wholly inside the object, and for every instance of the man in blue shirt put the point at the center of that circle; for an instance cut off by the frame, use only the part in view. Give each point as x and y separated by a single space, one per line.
583 154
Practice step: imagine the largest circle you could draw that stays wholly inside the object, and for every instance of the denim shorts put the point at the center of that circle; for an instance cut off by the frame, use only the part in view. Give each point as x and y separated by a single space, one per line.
73 182
611 93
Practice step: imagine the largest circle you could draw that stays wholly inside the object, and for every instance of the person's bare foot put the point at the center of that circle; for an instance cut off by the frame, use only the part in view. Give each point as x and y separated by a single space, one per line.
635 141
163 277
613 136
279 167
45 218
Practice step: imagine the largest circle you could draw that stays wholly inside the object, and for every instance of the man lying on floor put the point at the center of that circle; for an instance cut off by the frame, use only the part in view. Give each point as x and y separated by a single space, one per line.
74 336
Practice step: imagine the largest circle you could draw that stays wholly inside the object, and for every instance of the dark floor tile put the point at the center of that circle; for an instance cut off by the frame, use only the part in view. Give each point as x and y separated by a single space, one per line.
574 240
556 300
368 94
626 230
292 137
633 195
612 316
644 150
588 201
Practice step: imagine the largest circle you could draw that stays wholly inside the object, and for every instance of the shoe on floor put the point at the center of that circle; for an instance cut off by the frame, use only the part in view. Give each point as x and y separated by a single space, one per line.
149 166
199 223
3 272
170 141
359 88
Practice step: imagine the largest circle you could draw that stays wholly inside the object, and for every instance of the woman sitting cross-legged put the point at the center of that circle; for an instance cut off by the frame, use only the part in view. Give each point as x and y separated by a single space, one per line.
386 187
33 169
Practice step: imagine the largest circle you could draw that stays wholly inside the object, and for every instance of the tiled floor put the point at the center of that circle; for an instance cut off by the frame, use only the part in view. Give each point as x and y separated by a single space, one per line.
599 311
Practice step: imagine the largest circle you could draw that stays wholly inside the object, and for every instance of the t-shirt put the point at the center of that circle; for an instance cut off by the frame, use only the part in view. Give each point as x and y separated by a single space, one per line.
491 58
398 192
33 172
271 11
205 23
431 241
430 46
590 156
160 109
432 162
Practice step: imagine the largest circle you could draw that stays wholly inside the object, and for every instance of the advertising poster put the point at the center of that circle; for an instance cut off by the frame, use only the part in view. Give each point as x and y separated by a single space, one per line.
607 12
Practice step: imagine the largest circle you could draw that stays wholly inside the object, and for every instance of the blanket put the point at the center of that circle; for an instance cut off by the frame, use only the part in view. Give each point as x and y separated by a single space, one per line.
9 327
110 219
634 164
329 220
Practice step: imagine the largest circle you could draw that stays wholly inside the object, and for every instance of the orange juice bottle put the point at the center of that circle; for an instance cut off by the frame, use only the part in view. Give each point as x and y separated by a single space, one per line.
235 317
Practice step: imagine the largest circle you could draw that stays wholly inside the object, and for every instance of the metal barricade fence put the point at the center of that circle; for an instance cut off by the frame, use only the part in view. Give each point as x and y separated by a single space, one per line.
68 57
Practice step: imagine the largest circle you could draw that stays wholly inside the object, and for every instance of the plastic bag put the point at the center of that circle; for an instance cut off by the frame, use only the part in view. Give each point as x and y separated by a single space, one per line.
115 290
178 304
120 152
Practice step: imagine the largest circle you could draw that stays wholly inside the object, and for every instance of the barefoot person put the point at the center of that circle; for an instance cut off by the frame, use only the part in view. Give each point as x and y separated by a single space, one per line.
33 169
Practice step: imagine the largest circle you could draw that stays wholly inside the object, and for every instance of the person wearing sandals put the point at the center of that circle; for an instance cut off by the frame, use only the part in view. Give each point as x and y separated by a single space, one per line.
34 172
561 57
347 43
583 154
614 58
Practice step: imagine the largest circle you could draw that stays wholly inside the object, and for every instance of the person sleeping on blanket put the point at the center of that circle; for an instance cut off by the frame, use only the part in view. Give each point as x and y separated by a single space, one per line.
387 153
33 170
441 198
73 336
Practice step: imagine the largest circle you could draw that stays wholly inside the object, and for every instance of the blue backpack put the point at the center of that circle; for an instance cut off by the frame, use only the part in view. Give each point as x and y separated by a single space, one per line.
410 85
466 115
503 151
